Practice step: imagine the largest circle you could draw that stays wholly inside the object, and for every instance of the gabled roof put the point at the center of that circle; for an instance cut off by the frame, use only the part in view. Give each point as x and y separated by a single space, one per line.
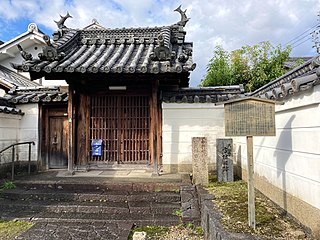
292 61
94 25
299 79
9 79
27 39
153 50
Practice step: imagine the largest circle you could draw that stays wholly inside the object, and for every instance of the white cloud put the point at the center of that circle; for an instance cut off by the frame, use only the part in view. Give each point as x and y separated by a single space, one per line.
231 23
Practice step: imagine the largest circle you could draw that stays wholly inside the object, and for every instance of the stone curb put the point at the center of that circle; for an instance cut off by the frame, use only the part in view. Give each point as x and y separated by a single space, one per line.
210 220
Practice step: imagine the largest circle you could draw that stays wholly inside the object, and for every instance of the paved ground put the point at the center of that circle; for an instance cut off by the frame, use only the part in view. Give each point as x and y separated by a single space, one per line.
77 231
108 175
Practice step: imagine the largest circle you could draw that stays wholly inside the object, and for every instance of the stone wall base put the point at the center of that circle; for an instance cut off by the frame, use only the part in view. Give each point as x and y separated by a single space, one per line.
20 167
185 168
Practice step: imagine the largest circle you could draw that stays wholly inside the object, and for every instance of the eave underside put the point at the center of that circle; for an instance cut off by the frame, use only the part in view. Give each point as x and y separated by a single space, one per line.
167 79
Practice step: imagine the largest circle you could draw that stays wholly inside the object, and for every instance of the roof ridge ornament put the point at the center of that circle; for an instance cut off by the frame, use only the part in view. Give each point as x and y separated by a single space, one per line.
49 52
184 18
60 23
25 55
32 27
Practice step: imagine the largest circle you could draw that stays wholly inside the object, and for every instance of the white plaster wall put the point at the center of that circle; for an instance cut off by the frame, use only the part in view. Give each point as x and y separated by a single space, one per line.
34 50
291 159
28 131
182 121
9 129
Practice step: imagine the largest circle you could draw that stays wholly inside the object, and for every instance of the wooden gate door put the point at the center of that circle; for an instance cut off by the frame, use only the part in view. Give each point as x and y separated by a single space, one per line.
123 124
58 142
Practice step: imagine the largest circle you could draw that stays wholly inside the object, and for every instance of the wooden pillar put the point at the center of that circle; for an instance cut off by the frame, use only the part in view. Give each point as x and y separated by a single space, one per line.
251 197
71 129
159 133
154 138
83 121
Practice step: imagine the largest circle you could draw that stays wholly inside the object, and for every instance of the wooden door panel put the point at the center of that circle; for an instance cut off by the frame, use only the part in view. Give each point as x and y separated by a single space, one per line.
58 142
123 123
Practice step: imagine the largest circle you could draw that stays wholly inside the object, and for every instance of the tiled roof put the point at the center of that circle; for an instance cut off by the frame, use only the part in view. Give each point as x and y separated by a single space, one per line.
36 95
299 79
132 50
9 108
292 61
11 79
204 94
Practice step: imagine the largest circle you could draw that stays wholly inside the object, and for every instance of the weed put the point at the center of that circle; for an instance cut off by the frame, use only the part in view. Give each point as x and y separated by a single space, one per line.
189 225
199 231
178 212
7 185
11 229
231 199
152 231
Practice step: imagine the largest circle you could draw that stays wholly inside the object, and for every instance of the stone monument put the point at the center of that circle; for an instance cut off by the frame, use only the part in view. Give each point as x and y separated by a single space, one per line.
224 160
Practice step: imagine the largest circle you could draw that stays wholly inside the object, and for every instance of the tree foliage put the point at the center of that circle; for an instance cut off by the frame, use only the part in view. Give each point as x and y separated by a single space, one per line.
252 66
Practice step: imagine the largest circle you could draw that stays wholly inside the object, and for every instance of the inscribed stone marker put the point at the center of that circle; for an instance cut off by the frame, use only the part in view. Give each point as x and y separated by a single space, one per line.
224 160
200 171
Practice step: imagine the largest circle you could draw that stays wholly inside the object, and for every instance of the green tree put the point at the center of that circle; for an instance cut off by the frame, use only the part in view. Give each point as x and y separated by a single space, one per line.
252 66
219 69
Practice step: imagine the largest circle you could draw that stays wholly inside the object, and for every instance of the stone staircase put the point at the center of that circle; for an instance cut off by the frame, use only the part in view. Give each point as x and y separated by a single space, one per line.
108 209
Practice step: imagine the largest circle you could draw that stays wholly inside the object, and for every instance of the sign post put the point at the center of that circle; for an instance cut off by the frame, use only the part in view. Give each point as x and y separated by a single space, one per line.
251 196
250 117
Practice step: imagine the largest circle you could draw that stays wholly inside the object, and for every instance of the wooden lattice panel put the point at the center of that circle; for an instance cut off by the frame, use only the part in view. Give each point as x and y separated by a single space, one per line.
123 124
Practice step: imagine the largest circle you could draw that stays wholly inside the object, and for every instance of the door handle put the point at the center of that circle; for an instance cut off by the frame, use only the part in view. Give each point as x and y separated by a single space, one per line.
55 142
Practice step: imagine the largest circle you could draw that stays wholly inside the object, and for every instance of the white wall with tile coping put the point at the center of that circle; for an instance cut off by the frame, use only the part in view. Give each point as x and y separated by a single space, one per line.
181 122
290 161
16 128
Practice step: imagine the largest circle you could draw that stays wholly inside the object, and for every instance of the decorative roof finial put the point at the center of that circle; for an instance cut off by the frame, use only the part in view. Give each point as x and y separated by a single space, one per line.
184 18
25 55
95 21
49 52
60 23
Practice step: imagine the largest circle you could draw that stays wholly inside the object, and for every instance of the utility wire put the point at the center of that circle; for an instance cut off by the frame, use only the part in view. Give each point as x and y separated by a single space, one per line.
300 39
301 42
309 29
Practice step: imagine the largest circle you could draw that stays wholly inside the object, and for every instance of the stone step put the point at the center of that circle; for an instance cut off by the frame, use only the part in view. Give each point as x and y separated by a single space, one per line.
135 218
93 195
64 229
36 206
81 185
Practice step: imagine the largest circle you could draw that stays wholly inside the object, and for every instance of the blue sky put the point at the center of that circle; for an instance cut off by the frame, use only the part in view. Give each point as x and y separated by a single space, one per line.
230 23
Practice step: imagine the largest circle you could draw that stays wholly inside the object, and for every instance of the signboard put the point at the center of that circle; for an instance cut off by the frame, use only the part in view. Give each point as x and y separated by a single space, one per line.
250 117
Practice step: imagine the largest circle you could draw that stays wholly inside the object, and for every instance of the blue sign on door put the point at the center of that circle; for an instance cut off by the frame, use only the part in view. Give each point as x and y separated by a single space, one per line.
96 146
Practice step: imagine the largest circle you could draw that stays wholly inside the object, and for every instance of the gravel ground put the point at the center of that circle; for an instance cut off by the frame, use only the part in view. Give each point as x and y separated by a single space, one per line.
178 233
